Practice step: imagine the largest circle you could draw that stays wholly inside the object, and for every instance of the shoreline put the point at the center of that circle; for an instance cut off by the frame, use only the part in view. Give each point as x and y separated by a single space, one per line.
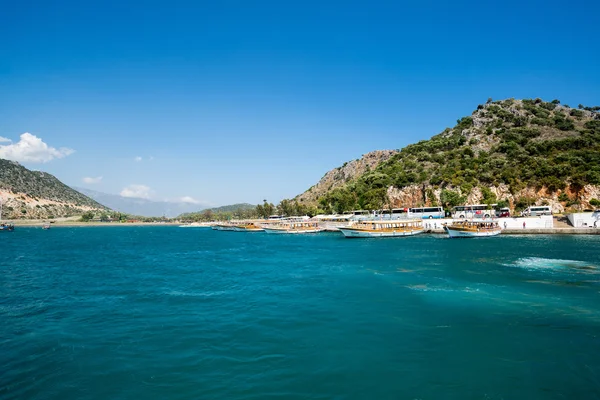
539 231
507 231
67 224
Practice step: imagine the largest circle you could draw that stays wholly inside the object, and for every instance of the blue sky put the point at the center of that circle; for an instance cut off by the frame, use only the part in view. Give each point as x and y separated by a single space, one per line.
236 101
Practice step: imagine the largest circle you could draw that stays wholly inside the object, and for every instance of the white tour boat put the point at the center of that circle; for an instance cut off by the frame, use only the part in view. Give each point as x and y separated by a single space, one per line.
389 228
195 225
293 227
224 227
248 227
467 229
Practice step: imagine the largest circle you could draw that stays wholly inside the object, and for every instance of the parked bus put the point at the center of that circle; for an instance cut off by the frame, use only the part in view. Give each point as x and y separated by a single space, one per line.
360 212
537 210
398 213
474 211
358 215
394 213
426 212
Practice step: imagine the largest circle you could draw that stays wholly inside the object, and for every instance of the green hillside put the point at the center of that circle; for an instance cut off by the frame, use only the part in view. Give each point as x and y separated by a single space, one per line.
515 146
240 210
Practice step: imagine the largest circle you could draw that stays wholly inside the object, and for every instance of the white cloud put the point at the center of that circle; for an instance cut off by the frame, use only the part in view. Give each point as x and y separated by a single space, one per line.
189 200
4 140
138 159
89 179
32 149
139 191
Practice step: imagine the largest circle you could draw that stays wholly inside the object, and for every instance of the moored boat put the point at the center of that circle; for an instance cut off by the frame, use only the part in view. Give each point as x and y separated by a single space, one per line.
224 227
333 223
293 227
468 229
195 225
5 227
398 228
248 227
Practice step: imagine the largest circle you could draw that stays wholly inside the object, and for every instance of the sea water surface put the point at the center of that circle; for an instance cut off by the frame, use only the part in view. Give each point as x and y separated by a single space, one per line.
172 313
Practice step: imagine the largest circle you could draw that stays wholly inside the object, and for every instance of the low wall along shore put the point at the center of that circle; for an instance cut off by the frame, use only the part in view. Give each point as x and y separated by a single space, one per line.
541 225
585 220
545 222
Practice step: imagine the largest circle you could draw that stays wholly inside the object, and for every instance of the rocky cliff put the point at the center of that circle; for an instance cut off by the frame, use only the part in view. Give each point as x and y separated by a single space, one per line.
346 173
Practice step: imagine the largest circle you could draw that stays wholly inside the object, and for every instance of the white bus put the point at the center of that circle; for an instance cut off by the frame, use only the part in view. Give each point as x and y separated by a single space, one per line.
537 210
474 211
426 212
394 213
358 215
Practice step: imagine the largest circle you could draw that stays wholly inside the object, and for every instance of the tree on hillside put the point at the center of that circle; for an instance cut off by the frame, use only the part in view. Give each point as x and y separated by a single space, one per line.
88 216
339 201
207 215
286 207
374 199
450 198
489 197
265 210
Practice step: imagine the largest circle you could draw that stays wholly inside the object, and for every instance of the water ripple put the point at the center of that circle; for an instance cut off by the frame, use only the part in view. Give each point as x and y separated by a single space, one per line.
160 312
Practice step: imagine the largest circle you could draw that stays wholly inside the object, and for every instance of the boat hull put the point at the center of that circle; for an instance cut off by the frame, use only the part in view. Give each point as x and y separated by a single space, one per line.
359 233
292 231
459 233
242 229
223 228
195 225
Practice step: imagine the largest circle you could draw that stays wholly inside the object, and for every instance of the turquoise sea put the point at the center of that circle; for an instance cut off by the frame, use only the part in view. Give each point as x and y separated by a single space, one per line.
172 313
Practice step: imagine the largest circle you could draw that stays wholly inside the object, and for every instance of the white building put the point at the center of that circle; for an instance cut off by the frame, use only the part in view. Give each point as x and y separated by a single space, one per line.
585 219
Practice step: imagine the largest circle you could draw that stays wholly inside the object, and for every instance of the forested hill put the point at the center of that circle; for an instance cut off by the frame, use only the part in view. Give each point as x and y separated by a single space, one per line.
35 194
240 210
521 151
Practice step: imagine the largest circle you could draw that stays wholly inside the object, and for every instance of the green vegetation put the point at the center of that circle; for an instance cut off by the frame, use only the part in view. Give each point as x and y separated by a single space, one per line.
225 213
88 216
563 197
247 211
451 199
529 143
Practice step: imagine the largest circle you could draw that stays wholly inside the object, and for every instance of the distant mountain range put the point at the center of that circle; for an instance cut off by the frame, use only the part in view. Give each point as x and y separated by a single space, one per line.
27 194
233 208
142 207
240 210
